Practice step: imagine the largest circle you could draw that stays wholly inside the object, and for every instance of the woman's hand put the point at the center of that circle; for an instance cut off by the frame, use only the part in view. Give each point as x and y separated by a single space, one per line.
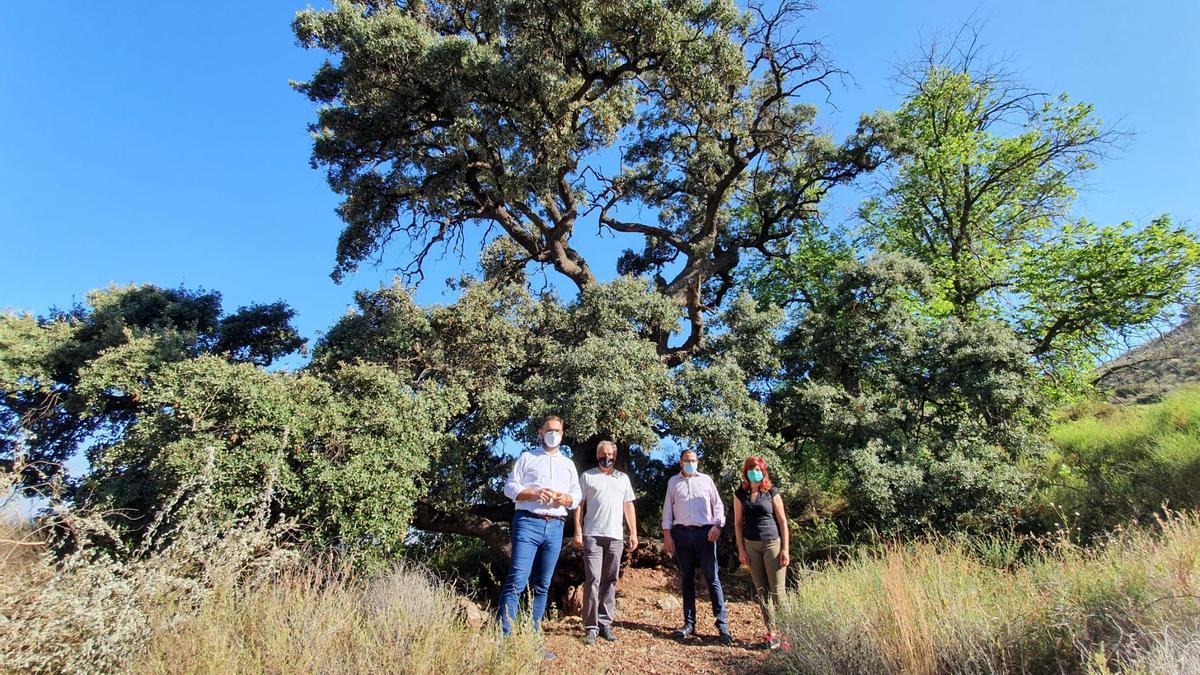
743 558
784 558
577 542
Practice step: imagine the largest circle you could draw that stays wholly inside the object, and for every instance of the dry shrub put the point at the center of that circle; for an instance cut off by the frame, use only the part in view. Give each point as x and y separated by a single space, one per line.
93 608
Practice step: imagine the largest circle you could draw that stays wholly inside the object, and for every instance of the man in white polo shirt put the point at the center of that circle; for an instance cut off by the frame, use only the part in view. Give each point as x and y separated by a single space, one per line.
607 496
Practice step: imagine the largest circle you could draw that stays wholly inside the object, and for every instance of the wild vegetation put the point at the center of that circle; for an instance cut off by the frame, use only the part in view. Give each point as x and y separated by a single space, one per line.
905 374
1127 604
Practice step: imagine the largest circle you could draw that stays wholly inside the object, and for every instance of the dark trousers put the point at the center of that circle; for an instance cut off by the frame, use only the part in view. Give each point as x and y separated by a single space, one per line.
694 550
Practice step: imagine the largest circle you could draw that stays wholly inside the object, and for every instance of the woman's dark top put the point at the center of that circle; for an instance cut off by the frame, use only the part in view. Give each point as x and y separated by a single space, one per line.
758 516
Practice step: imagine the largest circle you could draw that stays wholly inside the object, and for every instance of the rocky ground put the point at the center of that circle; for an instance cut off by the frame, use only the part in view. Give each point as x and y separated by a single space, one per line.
648 609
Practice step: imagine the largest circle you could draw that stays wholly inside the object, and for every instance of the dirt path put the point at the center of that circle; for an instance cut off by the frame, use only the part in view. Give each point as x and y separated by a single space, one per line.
648 609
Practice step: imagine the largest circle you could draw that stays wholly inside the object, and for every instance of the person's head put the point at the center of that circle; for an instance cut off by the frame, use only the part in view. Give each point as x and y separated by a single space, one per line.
756 467
606 455
689 461
551 431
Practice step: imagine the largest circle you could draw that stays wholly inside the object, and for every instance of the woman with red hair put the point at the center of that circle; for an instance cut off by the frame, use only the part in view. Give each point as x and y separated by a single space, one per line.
760 525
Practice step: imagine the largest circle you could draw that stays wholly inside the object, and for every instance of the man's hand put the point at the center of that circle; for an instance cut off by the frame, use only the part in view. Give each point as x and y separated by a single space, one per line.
743 558
577 542
669 544
563 499
633 543
546 496
714 533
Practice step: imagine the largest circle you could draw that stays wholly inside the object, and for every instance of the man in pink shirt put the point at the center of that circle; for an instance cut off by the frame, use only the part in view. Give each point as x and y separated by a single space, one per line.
693 516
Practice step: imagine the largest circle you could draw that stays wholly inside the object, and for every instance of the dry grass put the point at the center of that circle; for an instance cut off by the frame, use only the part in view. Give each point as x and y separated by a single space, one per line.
205 595
1129 604
319 621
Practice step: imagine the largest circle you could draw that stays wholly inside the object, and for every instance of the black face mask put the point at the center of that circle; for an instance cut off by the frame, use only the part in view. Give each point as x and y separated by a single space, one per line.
606 462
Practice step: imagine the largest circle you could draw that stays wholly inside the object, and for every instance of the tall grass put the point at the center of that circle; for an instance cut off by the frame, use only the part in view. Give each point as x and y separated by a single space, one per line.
318 621
1128 603
203 595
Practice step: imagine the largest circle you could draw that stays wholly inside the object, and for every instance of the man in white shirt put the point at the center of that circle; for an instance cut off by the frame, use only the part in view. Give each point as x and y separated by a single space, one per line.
544 484
607 496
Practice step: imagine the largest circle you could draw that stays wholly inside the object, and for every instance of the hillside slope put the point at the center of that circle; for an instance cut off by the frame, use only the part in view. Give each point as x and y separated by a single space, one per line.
1145 374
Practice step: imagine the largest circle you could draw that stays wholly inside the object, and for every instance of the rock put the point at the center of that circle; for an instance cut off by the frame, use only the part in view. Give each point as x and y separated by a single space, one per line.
472 614
573 604
669 602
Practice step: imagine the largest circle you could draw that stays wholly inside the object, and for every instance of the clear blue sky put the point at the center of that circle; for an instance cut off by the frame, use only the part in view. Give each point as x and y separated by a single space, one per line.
160 142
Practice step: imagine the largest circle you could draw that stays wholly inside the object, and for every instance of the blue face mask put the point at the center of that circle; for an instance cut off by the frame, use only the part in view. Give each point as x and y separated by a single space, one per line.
754 475
689 467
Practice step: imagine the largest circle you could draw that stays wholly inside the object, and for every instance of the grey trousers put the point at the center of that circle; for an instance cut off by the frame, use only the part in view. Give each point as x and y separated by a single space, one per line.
601 563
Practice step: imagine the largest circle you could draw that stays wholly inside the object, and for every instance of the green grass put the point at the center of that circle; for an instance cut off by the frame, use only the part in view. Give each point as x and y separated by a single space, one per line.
1111 465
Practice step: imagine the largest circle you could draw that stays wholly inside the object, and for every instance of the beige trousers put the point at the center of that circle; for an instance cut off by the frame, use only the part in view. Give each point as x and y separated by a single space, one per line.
770 580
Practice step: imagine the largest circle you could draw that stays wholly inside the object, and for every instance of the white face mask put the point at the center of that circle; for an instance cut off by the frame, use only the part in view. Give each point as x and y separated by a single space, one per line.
552 439
689 467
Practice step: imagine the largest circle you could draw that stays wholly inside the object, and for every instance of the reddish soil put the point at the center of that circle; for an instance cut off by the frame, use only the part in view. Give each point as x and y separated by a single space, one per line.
643 632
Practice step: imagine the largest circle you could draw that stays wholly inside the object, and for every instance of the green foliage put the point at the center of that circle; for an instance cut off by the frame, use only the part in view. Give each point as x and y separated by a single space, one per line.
79 377
927 419
1093 282
1111 465
592 361
438 117
344 452
157 386
981 191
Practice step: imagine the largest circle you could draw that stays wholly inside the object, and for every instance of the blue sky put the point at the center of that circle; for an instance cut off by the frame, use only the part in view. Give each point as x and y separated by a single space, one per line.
160 142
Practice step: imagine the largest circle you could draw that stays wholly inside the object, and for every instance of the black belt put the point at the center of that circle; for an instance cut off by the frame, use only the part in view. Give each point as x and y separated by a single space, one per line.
543 516
696 527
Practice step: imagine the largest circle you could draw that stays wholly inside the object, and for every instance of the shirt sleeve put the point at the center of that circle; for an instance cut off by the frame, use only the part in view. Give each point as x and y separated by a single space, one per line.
718 507
668 515
574 490
629 490
513 486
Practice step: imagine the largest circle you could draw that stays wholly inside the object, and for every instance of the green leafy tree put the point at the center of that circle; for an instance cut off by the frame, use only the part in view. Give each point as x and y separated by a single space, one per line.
157 388
53 404
927 421
592 360
341 454
680 127
985 176
438 116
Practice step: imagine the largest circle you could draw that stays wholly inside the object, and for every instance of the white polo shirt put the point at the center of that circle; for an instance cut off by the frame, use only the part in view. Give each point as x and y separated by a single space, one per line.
605 496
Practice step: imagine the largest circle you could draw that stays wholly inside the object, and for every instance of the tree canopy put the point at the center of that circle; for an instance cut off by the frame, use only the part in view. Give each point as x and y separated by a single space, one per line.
436 116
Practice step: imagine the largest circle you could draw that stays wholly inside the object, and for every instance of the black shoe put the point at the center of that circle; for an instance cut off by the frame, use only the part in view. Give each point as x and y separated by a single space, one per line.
726 638
590 637
683 633
607 634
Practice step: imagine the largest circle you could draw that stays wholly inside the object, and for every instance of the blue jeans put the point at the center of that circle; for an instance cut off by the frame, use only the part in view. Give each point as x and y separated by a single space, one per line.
692 550
535 547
